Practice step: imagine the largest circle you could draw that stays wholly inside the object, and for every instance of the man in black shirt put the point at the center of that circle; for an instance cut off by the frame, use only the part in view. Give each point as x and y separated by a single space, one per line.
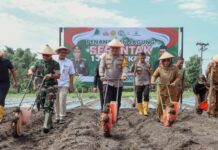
98 83
5 66
201 91
163 48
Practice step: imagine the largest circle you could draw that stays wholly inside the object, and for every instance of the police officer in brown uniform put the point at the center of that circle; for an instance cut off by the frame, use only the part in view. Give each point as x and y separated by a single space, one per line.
113 65
80 64
212 76
181 83
142 72
168 74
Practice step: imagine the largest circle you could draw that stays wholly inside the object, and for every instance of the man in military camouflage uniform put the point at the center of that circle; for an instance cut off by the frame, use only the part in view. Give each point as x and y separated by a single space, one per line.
113 65
49 71
142 72
212 76
80 64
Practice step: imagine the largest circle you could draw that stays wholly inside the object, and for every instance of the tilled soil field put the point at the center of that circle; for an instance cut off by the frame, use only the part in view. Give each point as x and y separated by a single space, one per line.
82 131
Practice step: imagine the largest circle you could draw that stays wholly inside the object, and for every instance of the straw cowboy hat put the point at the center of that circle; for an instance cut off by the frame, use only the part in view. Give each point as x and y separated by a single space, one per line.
1 53
166 55
115 43
62 48
47 50
215 58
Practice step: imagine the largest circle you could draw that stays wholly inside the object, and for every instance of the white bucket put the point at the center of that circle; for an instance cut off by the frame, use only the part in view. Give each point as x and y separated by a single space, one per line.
26 114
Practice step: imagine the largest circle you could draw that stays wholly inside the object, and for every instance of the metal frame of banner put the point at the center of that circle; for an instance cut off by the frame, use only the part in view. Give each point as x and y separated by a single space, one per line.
181 55
60 36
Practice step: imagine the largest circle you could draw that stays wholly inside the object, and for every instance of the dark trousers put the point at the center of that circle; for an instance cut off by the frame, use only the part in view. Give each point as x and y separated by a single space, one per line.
111 94
101 93
46 98
202 97
3 92
142 90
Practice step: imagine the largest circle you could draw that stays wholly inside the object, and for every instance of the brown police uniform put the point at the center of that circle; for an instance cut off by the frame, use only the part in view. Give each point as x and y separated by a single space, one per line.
212 74
113 68
167 76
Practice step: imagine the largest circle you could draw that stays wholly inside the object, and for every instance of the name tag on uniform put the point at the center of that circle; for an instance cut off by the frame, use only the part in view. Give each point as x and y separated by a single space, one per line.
65 69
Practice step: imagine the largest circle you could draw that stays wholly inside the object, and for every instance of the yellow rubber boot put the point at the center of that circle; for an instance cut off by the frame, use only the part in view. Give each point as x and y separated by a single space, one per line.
1 113
146 108
140 108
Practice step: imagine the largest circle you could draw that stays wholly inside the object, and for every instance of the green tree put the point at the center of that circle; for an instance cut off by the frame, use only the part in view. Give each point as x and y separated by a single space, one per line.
192 68
21 60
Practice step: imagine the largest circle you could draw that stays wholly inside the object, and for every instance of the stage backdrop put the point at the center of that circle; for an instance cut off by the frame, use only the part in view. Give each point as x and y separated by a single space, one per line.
87 44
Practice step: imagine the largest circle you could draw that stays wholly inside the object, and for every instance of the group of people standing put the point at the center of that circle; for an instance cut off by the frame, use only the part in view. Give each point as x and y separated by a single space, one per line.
167 77
53 75
57 76
51 79
113 66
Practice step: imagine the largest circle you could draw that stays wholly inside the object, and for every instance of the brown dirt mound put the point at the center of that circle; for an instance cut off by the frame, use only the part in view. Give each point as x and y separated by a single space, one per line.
82 131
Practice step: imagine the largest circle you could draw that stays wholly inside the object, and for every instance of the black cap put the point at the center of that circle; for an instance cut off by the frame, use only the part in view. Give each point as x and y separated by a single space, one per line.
163 47
142 54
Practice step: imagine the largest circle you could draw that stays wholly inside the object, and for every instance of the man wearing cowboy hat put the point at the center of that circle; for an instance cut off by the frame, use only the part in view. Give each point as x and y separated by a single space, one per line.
212 76
169 76
81 66
5 67
49 70
65 83
113 65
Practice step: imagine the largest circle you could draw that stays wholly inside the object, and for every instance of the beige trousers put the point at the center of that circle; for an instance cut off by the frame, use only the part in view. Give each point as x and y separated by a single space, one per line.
60 103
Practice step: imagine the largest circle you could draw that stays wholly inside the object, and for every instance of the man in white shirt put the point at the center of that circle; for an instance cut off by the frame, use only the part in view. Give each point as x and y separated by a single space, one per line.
65 83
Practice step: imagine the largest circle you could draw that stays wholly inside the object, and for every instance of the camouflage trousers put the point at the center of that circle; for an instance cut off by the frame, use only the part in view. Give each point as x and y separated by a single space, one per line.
46 98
